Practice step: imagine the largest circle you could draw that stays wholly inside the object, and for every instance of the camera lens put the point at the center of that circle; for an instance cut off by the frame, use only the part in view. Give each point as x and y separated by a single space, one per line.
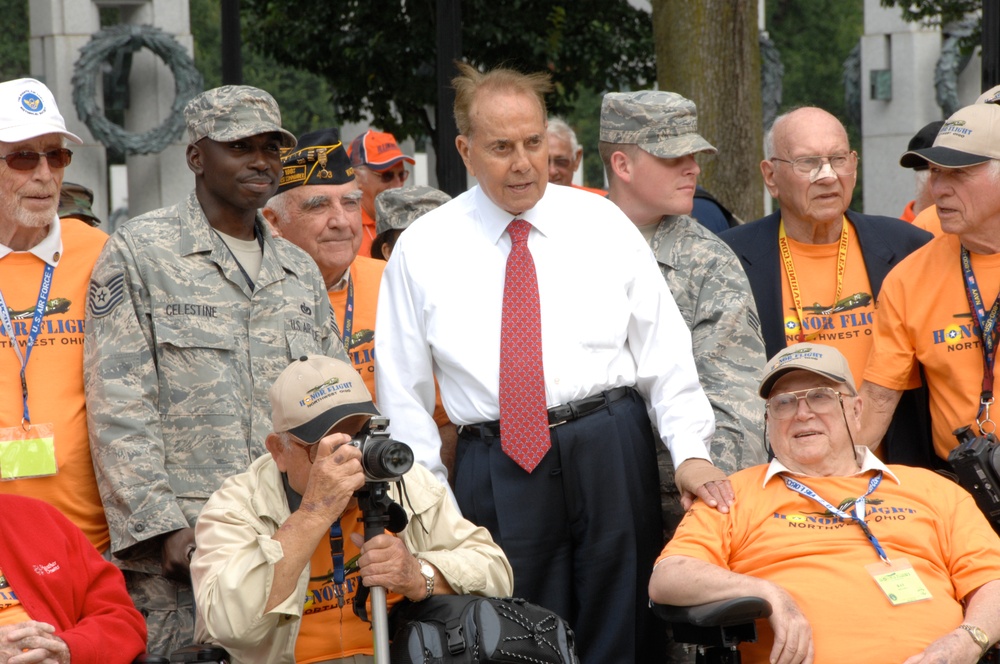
385 458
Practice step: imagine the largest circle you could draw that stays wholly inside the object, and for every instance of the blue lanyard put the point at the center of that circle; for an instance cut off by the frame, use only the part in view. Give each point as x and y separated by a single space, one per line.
348 313
859 508
36 326
337 553
987 328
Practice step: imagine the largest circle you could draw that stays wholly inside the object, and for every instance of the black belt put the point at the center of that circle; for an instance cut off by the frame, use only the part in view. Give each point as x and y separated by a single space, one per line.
568 412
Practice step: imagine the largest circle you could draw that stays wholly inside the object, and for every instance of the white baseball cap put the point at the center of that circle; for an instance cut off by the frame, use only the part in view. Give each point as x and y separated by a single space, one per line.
28 110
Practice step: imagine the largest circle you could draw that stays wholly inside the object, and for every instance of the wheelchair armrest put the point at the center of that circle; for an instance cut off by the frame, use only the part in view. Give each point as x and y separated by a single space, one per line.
722 613
146 658
200 652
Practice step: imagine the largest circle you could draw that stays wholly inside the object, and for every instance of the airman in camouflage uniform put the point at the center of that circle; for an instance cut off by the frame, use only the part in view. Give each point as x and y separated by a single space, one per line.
648 143
183 340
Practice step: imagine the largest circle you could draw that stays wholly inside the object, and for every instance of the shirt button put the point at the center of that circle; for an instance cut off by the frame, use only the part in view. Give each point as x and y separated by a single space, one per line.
139 527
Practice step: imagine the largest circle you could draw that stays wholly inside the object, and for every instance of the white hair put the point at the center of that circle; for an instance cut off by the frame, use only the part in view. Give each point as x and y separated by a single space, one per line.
559 127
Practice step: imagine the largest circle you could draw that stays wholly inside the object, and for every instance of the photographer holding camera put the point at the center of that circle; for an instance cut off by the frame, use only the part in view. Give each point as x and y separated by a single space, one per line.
280 549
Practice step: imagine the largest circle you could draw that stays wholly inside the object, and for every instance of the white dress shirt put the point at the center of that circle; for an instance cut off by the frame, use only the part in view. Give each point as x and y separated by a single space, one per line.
608 319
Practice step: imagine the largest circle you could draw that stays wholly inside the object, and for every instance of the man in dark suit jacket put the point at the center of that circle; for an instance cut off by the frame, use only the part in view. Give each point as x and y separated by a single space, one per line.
816 267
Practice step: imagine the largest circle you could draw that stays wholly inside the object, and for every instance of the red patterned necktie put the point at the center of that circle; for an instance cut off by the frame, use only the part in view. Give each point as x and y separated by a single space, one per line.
524 422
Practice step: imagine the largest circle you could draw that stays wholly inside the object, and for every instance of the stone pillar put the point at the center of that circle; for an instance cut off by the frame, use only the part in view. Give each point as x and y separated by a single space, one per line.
59 28
909 53
156 180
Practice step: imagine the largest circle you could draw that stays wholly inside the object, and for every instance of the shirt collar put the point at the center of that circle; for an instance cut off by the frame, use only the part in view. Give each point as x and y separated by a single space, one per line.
865 457
49 250
495 219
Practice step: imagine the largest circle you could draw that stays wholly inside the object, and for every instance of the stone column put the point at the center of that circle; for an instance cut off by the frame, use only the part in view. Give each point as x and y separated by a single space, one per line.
59 28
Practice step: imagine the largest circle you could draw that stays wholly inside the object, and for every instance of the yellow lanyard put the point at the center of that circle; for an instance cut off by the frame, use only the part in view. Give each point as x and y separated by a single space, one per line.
793 282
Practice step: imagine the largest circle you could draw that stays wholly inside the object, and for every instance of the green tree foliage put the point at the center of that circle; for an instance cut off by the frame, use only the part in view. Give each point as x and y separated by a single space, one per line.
15 58
379 57
941 12
304 98
814 38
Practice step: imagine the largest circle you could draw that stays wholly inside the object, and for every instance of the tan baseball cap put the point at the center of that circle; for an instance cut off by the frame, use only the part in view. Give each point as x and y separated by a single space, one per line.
991 96
316 394
821 360
970 136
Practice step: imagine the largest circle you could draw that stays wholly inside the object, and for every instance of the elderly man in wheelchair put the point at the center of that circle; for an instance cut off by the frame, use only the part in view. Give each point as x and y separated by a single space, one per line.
281 557
860 562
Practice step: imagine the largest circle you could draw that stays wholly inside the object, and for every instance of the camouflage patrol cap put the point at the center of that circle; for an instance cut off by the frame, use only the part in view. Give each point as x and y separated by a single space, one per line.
318 158
75 200
232 112
316 393
664 124
398 208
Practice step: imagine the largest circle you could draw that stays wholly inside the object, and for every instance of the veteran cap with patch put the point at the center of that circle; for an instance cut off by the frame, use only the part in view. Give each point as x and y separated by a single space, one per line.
821 360
664 124
75 200
398 208
232 112
970 136
318 158
315 394
377 150
28 110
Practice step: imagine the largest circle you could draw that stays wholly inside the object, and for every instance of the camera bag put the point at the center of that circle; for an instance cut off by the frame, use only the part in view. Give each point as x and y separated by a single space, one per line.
463 629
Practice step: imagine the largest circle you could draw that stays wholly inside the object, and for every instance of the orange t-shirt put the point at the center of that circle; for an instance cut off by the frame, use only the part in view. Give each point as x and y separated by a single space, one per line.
11 610
923 315
55 374
329 631
366 273
908 214
773 533
367 234
844 323
929 221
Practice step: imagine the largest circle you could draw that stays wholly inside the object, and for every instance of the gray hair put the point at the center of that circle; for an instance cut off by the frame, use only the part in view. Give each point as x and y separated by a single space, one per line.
279 205
559 127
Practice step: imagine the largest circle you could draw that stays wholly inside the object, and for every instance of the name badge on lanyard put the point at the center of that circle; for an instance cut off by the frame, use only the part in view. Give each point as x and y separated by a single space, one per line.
897 578
27 450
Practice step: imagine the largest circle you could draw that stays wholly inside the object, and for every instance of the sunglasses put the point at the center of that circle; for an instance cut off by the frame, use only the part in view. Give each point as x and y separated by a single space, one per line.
25 160
389 176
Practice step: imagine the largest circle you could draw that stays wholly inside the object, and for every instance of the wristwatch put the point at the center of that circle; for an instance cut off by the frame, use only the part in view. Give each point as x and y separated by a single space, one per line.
978 635
428 573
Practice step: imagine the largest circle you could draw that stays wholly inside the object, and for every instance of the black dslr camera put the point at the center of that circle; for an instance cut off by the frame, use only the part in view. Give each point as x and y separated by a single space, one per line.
382 458
976 461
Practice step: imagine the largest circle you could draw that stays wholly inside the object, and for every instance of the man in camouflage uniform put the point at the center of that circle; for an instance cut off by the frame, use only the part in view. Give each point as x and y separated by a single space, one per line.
193 312
648 143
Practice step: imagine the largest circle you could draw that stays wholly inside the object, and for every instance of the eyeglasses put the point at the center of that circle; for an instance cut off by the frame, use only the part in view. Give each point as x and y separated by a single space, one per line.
819 399
842 164
25 160
389 176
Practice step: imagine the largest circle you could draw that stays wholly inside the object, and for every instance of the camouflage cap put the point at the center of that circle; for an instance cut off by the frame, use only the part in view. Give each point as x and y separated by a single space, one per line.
318 158
398 208
233 112
664 124
75 200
